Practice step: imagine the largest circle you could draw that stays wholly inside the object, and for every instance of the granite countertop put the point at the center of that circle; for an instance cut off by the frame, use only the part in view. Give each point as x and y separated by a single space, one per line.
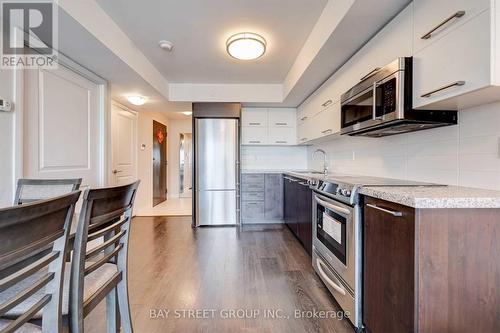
249 171
435 196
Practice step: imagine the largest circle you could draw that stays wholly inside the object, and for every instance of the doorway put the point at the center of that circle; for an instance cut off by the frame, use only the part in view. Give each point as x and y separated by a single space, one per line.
159 163
185 165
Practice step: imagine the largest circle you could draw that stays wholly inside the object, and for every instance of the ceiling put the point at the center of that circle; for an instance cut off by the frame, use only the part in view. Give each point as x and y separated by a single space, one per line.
199 30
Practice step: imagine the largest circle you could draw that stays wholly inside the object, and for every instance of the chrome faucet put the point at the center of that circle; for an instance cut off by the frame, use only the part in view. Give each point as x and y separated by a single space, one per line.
325 162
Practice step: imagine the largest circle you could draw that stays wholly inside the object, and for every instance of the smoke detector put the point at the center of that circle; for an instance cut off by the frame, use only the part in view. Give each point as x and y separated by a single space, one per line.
166 45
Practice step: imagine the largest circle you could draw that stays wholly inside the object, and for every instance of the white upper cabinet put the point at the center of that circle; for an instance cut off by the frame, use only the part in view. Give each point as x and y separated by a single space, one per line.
459 69
256 117
273 126
285 117
434 19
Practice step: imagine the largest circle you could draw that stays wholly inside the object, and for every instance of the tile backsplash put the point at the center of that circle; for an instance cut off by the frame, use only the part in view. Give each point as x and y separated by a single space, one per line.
467 154
273 157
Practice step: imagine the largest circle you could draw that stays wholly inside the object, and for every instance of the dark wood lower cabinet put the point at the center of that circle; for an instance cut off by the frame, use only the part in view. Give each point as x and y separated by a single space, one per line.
389 250
430 270
298 210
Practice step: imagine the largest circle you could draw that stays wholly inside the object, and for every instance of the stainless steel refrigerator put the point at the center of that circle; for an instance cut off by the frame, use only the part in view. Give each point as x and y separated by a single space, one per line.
216 171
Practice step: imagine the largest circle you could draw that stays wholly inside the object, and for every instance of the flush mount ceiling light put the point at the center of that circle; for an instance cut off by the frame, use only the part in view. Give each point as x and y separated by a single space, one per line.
246 46
166 45
137 100
187 113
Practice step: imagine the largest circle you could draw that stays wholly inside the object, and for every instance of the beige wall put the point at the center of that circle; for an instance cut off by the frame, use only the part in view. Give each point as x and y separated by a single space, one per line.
144 200
176 128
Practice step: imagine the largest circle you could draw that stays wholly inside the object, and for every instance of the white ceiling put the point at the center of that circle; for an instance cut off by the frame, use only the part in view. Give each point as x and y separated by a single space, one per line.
199 29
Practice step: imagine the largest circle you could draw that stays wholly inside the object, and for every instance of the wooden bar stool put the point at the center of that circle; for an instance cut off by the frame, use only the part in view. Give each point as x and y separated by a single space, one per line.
33 240
29 190
105 213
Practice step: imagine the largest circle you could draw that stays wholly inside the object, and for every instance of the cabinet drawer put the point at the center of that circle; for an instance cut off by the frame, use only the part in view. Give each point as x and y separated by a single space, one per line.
282 136
252 210
457 64
282 117
252 196
254 117
445 15
254 135
253 178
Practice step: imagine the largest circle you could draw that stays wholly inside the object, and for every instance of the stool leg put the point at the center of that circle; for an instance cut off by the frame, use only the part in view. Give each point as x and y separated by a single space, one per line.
124 306
112 313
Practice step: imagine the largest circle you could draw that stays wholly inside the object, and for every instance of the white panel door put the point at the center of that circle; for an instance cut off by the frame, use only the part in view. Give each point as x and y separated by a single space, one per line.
63 126
123 146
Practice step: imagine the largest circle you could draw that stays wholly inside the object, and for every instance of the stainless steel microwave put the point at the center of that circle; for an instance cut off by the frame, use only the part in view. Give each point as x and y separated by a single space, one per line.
381 104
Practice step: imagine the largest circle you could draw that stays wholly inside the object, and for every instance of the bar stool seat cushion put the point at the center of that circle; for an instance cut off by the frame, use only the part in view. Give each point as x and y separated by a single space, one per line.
93 282
26 328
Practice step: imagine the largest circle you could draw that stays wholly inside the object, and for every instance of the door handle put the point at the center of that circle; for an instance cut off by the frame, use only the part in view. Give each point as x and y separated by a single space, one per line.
393 213
454 84
116 171
457 15
327 279
333 207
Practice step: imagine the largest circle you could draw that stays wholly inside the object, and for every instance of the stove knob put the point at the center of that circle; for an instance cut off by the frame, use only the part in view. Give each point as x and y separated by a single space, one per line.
348 193
339 190
344 192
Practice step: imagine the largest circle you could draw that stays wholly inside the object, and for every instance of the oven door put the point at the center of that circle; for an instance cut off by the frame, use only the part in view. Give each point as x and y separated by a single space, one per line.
333 232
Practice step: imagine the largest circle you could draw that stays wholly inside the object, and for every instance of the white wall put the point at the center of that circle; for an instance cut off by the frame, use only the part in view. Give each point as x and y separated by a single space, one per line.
144 199
176 128
7 121
273 158
465 155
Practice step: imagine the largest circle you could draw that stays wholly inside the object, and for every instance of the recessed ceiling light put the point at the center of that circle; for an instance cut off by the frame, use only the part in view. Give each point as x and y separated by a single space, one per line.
246 46
187 113
137 100
166 45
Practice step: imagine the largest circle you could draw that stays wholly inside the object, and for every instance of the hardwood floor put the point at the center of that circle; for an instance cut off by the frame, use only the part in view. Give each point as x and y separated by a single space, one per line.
252 273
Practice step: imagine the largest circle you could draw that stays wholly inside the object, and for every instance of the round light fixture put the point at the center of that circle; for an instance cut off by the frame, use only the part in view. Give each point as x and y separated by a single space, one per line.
166 45
137 100
187 113
246 46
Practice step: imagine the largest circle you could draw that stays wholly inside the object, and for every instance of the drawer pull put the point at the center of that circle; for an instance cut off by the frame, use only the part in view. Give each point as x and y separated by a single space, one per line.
304 118
280 141
393 213
303 139
254 141
280 124
454 84
458 14
327 131
328 102
254 124
373 72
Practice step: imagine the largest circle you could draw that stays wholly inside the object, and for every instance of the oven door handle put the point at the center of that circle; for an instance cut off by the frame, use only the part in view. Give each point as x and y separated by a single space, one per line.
333 207
325 277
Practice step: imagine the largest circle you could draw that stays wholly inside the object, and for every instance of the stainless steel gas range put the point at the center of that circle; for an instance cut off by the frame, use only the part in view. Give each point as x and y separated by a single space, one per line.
337 237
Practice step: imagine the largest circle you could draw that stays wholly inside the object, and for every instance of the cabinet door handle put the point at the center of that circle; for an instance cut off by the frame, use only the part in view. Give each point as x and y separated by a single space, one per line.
304 118
327 131
280 141
304 184
303 139
454 84
370 74
458 14
280 124
393 213
254 124
328 102
254 141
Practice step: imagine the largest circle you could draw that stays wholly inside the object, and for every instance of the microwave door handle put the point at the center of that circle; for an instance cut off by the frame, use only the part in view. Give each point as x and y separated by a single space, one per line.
330 206
319 264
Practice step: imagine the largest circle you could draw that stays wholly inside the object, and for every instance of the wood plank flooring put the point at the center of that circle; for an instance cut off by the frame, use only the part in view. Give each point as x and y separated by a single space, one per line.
241 278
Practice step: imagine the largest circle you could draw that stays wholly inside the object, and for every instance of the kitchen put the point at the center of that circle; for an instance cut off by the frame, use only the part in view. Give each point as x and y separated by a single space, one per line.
344 179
